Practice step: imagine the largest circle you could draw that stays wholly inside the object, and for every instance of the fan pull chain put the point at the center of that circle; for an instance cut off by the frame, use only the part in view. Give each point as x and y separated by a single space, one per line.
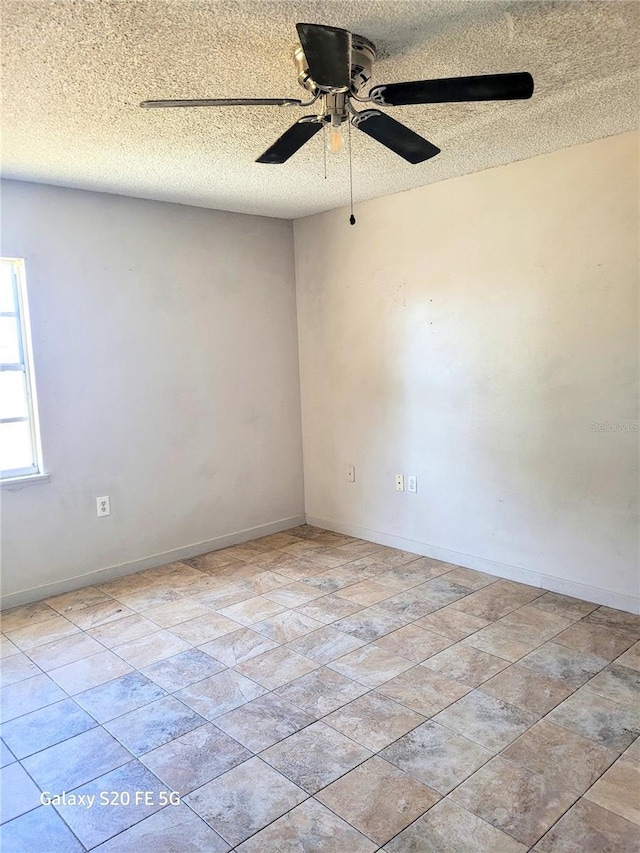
324 147
352 219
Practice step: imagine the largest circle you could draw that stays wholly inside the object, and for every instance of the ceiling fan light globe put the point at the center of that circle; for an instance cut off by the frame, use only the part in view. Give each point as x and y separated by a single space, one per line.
335 140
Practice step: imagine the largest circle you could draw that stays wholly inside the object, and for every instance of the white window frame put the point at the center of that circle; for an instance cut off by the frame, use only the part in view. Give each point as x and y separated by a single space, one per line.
25 365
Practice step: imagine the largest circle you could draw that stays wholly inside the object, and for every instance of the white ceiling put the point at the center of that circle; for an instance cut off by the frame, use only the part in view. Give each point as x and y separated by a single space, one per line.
74 73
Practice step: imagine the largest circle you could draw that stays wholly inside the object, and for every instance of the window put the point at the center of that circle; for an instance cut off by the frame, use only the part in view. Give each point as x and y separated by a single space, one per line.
20 454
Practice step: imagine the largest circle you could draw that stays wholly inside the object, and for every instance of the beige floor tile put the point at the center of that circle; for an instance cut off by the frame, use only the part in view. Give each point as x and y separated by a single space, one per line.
308 828
448 828
470 578
568 666
325 644
618 683
7 648
26 615
396 557
497 600
452 623
466 664
166 830
486 720
115 698
184 579
367 592
174 612
321 691
619 791
153 596
26 696
378 799
287 626
431 568
513 799
205 628
17 668
423 691
333 618
126 584
631 658
526 689
238 646
212 561
504 641
67 650
190 761
276 667
415 643
293 595
371 665
399 578
252 610
89 672
595 639
609 723
220 693
373 720
183 669
265 582
328 558
245 799
567 760
587 827
112 634
437 756
315 756
102 613
77 600
226 595
38 633
263 722
300 568
151 648
620 620
632 753
563 605
369 624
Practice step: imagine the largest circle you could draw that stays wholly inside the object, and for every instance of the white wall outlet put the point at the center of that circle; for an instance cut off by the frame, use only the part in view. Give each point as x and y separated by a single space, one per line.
351 473
103 506
412 482
400 482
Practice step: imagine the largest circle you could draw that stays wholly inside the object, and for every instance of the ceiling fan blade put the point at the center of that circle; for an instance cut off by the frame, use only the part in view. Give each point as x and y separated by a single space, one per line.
291 140
225 102
328 54
486 87
396 136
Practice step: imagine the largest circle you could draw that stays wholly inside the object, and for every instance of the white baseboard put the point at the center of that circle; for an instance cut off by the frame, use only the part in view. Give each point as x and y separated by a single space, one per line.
37 593
617 600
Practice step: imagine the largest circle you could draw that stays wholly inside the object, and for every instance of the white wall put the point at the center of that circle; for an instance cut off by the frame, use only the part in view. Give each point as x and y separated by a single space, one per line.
470 332
166 360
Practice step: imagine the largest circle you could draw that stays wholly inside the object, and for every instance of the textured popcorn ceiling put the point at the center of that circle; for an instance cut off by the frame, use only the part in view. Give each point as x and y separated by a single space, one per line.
74 73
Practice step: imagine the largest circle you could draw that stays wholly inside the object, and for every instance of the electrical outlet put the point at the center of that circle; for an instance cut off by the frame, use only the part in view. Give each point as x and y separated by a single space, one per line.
103 506
351 473
400 482
412 483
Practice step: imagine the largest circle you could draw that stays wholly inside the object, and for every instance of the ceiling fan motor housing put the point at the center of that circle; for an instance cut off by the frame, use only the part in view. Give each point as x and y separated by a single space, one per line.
363 54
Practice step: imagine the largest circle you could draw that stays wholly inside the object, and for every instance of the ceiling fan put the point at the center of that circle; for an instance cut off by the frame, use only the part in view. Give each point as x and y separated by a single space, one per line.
335 65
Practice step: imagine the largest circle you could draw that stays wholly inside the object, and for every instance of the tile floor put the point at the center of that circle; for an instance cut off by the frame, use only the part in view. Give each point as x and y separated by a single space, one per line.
312 692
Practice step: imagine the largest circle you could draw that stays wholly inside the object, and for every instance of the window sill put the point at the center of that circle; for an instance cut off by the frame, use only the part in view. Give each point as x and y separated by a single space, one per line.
18 483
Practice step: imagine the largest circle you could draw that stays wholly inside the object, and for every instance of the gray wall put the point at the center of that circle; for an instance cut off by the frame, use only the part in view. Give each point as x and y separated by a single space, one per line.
166 360
471 332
